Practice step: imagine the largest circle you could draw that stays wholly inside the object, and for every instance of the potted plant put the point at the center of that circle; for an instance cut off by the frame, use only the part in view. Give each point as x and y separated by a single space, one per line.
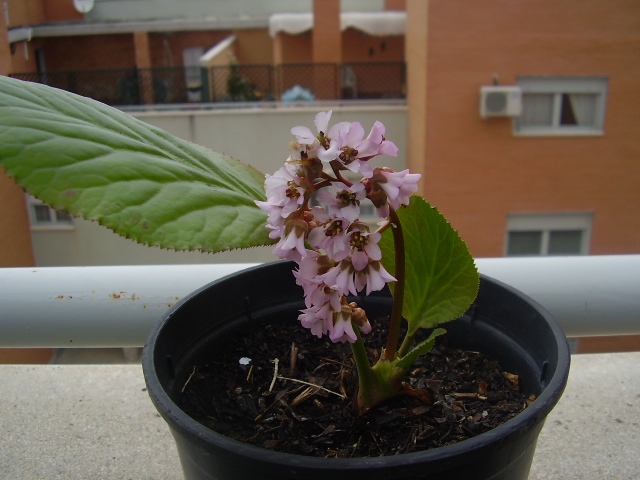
340 276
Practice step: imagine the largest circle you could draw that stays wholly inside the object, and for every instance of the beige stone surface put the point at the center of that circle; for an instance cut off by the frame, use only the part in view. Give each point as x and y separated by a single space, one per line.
97 422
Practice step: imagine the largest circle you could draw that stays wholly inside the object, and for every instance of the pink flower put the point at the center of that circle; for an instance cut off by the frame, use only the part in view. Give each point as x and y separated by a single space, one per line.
337 323
319 141
399 186
305 136
342 277
336 253
362 270
330 235
349 147
285 189
310 267
373 277
291 245
312 319
342 328
274 213
343 200
387 187
376 137
344 320
307 275
364 248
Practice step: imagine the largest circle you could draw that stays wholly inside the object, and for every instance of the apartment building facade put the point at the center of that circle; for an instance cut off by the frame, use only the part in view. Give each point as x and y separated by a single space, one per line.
562 177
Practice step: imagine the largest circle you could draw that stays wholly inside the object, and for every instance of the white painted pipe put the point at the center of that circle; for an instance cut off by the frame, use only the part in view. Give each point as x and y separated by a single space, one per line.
111 306
595 295
116 306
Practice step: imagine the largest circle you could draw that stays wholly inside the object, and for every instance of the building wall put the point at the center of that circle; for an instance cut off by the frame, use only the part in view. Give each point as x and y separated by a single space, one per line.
25 12
15 241
31 12
477 171
358 46
90 52
293 48
167 48
22 56
98 52
253 47
61 11
141 9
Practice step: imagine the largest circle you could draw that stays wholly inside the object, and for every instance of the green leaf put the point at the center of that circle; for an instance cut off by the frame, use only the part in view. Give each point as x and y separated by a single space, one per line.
420 349
441 276
97 162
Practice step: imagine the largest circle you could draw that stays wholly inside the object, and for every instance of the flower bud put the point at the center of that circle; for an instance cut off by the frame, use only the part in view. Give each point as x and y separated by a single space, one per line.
358 315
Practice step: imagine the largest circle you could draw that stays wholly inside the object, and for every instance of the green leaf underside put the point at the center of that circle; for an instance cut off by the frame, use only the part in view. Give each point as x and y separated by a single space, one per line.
441 276
97 162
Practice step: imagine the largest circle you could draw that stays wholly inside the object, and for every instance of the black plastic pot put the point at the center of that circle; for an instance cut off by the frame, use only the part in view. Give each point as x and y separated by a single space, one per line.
516 331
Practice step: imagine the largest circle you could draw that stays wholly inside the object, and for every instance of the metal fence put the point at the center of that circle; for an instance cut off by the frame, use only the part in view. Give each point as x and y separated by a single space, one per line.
233 83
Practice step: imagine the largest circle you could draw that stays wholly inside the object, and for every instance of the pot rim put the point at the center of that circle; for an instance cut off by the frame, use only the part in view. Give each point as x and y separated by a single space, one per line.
532 415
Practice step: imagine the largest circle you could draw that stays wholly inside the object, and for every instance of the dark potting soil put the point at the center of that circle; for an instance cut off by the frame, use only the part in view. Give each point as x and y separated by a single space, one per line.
283 389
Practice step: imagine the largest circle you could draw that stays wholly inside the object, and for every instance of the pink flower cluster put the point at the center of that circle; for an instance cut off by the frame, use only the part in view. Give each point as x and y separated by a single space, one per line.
336 252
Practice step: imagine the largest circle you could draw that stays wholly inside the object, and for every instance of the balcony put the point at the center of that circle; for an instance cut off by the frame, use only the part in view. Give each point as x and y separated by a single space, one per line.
80 421
233 83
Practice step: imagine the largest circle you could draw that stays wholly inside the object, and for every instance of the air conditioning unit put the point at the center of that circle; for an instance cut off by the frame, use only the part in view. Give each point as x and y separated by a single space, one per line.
500 101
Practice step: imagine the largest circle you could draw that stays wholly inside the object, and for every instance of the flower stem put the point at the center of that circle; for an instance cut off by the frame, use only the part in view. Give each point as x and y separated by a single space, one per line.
398 293
406 345
365 373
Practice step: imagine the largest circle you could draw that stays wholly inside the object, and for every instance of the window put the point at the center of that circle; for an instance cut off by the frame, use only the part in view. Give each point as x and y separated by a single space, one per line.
548 234
193 72
561 106
42 215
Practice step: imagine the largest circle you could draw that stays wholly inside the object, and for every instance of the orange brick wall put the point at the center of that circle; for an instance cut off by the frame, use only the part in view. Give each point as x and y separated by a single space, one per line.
23 59
25 12
357 46
61 11
253 47
166 48
294 48
15 233
118 50
395 4
327 38
89 52
475 170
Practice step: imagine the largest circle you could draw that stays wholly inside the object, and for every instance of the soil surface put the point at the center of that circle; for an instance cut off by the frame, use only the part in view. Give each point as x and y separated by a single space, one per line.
283 389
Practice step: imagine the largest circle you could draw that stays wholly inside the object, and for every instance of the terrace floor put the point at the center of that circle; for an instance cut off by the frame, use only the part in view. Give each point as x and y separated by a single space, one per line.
96 421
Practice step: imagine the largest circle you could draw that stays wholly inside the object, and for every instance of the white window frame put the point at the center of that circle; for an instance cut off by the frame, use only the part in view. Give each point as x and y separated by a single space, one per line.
53 223
557 86
550 222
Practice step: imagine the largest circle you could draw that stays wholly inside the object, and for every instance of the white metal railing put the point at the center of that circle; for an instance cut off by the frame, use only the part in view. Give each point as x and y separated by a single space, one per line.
116 306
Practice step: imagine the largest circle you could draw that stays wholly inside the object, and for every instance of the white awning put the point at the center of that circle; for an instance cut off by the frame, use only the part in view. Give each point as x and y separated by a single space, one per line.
374 23
291 23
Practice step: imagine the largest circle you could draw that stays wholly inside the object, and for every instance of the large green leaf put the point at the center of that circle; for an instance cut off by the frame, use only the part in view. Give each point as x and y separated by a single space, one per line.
95 161
441 276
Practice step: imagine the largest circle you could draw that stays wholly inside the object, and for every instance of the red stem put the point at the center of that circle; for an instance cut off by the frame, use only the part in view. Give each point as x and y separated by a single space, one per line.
398 294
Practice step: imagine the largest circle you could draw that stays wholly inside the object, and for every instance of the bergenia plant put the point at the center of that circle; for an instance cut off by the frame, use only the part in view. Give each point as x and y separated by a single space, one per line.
94 161
314 212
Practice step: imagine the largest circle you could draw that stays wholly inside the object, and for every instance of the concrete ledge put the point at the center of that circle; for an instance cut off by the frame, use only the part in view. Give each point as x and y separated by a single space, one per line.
96 421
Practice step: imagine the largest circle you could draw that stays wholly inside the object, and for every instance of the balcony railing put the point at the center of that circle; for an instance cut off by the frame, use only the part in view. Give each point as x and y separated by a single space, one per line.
234 83
117 306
